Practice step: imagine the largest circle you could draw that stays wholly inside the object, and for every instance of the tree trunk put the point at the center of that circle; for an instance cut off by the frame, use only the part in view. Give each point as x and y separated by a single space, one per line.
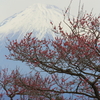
11 98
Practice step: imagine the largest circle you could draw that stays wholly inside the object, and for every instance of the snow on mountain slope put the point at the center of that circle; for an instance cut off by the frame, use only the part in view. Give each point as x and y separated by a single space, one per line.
35 18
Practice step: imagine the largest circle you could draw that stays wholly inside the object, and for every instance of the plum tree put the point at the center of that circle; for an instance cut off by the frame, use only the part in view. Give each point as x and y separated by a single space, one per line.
76 55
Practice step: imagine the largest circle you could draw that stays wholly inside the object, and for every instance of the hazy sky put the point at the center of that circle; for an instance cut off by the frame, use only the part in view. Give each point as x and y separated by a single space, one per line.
10 7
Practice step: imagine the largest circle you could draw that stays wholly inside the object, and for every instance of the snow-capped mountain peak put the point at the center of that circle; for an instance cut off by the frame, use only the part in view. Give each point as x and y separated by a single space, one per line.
35 18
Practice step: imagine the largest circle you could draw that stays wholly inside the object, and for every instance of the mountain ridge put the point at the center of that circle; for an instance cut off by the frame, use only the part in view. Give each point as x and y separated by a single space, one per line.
35 19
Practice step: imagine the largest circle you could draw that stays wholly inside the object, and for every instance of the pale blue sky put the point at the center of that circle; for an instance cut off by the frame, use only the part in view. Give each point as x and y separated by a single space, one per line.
10 7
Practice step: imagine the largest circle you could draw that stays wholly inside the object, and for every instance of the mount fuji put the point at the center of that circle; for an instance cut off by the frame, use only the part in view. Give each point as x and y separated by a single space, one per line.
35 19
